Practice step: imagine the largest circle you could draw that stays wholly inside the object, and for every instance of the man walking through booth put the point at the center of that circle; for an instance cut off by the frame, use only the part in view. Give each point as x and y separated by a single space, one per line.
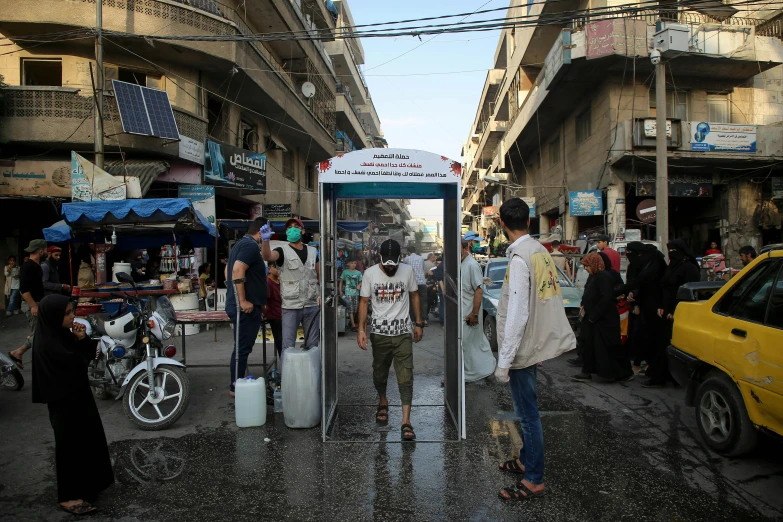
394 293
532 327
248 271
299 287
476 351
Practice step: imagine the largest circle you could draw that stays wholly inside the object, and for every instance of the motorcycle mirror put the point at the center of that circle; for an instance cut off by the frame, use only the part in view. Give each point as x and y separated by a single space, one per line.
123 277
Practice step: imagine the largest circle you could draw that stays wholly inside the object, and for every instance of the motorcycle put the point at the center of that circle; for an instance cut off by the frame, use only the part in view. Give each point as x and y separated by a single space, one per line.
10 376
132 361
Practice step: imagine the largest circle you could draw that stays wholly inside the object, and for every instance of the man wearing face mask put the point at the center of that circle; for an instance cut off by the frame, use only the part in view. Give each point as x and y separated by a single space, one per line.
477 353
395 294
299 285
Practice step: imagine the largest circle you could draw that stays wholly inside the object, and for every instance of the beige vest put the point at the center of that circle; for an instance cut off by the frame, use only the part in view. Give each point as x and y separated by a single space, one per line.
298 281
548 333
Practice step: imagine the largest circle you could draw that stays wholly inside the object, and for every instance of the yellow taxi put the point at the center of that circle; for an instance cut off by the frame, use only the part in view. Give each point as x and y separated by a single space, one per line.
727 351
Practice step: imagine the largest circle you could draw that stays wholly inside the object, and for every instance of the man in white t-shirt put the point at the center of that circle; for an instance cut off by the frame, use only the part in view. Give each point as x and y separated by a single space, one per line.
394 293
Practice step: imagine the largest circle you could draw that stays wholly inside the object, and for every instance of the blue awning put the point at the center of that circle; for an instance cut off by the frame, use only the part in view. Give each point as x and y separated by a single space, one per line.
60 232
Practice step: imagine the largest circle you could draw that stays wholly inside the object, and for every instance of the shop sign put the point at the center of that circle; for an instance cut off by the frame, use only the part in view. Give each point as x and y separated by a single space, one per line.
585 203
191 150
531 203
35 178
722 137
277 210
651 125
90 183
229 166
680 185
203 198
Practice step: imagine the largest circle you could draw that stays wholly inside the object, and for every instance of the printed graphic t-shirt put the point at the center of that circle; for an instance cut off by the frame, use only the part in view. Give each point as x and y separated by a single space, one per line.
351 279
390 299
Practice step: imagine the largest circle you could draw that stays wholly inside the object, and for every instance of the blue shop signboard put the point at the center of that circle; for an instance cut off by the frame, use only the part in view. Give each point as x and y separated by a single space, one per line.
585 203
229 166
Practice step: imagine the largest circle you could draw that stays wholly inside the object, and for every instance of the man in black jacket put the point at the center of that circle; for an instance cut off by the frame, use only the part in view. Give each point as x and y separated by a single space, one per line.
51 272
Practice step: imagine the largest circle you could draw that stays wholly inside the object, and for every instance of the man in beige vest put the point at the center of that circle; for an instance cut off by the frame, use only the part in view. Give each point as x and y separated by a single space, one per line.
532 327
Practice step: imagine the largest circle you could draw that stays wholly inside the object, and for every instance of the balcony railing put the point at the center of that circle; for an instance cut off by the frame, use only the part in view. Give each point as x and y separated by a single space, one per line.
653 15
341 89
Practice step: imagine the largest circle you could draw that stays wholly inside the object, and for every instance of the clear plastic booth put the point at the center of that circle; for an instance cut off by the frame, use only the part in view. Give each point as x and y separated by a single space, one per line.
392 174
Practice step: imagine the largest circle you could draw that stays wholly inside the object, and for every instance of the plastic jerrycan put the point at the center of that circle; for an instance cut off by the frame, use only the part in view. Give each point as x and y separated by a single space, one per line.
301 387
250 402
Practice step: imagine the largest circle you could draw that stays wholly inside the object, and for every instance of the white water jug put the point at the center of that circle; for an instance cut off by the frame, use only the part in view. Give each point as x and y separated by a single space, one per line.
301 387
250 402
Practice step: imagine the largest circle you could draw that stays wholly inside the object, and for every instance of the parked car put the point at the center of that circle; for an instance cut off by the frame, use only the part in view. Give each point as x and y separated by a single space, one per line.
495 273
726 352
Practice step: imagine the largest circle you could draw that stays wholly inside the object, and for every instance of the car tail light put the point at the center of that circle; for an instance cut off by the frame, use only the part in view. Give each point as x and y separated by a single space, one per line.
170 351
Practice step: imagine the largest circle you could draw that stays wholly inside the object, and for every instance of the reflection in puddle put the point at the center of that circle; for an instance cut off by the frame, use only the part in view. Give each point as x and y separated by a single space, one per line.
149 462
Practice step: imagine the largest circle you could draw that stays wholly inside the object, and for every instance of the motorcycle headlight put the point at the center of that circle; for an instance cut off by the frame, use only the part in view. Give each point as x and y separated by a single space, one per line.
168 329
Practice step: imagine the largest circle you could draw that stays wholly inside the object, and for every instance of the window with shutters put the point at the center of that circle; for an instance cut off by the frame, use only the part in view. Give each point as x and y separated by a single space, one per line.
584 126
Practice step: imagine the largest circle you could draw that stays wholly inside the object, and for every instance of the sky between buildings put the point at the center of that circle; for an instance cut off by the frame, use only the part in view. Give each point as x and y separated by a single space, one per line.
418 108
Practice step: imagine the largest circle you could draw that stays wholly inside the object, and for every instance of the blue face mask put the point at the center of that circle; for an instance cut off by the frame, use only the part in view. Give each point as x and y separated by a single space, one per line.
293 235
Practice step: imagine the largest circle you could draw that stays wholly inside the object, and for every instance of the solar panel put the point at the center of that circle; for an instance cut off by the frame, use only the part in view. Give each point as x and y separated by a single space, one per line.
145 111
133 113
160 113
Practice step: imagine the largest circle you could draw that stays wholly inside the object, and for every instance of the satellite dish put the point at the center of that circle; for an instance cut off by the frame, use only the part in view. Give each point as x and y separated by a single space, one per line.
308 89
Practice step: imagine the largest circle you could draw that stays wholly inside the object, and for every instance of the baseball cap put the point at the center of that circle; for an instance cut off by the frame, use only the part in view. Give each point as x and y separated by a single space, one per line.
52 249
35 244
292 221
601 237
390 252
472 236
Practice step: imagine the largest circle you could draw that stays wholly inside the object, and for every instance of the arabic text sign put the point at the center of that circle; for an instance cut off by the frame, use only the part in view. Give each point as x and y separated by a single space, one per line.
35 178
680 185
531 203
277 210
191 150
203 198
722 137
585 203
651 125
389 165
229 166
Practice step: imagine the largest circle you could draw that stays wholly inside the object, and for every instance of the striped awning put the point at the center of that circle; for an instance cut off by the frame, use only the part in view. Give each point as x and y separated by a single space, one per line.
146 170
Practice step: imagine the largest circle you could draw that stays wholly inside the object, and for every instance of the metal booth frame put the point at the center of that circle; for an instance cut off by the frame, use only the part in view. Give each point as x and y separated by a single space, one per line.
392 174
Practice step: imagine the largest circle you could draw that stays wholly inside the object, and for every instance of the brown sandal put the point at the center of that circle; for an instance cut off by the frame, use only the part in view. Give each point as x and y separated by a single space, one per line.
382 414
84 508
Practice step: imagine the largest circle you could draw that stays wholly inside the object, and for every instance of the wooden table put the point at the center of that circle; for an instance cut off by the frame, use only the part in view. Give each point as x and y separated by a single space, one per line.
211 317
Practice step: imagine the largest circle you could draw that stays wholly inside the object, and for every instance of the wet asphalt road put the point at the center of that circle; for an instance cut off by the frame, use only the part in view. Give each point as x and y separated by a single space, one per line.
614 452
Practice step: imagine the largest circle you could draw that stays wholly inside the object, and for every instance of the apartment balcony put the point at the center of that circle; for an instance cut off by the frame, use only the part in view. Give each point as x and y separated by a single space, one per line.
579 61
370 117
61 118
349 119
347 70
320 16
265 81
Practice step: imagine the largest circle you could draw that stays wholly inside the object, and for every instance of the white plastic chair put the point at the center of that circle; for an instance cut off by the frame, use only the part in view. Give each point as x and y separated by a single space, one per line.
220 301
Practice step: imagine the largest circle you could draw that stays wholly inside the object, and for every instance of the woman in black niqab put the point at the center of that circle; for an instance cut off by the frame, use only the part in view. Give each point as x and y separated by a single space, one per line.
60 359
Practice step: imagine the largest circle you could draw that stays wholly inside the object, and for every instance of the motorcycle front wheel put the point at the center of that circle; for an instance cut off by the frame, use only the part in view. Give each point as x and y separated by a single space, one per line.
170 402
13 380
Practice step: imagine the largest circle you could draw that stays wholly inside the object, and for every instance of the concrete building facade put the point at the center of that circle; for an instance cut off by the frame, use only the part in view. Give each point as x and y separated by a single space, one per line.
570 108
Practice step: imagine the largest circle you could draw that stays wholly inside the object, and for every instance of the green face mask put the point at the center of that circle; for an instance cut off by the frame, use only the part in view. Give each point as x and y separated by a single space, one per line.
475 248
293 235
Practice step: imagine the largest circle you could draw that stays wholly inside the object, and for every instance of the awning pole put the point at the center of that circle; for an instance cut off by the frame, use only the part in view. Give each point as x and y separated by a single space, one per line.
217 267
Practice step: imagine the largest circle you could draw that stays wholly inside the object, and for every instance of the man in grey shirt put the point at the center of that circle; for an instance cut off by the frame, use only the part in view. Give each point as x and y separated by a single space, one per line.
416 262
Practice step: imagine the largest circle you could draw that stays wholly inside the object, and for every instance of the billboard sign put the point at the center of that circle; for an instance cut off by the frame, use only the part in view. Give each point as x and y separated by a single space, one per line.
585 203
722 137
35 178
203 198
229 166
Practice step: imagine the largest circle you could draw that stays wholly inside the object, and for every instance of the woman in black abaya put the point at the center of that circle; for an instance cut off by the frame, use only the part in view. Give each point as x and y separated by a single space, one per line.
60 359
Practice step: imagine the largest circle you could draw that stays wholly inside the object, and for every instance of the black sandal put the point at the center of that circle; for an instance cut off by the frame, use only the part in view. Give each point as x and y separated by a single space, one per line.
407 433
382 411
17 361
520 492
85 508
511 466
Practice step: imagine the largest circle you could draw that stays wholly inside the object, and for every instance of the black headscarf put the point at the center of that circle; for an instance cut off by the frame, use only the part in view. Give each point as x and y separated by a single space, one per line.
682 252
59 364
617 279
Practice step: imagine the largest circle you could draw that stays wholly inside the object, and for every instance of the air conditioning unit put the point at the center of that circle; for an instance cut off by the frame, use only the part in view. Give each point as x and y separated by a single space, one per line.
671 37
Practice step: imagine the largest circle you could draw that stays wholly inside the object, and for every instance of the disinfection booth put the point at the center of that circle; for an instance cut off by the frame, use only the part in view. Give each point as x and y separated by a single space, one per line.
392 174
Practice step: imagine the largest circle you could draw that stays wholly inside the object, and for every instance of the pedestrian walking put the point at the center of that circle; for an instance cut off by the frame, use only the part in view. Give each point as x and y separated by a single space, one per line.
416 262
247 270
683 268
603 352
31 288
350 285
429 264
51 272
602 242
560 259
532 327
273 310
12 296
477 357
60 358
392 288
298 265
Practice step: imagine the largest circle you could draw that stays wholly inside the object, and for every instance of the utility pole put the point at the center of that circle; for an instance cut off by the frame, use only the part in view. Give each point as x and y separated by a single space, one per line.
98 91
662 173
